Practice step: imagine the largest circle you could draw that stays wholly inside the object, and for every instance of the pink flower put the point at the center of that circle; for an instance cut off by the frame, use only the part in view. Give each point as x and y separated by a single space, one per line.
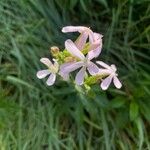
95 39
52 71
83 63
85 33
112 75
96 46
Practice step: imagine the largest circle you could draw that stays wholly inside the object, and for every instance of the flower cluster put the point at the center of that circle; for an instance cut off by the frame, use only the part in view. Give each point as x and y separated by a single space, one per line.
79 55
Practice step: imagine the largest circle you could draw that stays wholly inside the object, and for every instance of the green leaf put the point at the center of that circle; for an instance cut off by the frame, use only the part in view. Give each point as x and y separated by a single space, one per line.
117 102
134 110
139 124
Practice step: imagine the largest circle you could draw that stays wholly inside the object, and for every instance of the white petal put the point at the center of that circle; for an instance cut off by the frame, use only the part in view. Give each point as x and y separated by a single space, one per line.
51 79
46 61
103 64
80 76
106 82
72 49
42 73
117 83
92 68
73 29
80 42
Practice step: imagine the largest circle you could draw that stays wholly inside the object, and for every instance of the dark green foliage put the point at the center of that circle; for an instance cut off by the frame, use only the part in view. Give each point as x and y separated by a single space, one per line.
34 116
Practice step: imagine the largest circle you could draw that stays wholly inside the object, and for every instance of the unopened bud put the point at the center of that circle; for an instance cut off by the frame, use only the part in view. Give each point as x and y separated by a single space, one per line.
69 59
54 50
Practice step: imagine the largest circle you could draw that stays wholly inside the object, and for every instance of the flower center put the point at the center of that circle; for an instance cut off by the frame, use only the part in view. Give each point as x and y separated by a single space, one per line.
53 69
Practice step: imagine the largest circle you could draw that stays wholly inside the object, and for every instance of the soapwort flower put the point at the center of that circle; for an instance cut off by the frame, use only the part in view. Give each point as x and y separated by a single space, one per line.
85 33
83 63
79 55
51 71
110 72
95 39
96 46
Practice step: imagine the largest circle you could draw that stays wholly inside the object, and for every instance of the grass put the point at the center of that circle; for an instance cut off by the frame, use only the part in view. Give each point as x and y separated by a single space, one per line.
34 116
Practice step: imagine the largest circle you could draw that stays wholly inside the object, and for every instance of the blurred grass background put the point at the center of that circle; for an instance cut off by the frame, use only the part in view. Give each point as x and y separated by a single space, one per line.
36 117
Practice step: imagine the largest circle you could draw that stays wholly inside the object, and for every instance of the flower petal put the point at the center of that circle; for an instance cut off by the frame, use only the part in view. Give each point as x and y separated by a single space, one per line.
94 53
72 67
56 65
106 82
91 36
80 76
72 49
42 73
114 68
97 41
96 46
80 42
73 29
103 64
46 61
51 79
117 83
92 68
97 36
104 72
66 65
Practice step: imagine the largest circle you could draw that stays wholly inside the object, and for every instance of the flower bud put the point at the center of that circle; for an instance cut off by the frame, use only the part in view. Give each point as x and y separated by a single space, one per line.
54 50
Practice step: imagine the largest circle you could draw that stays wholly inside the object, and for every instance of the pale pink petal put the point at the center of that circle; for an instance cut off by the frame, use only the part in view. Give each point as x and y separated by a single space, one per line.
62 72
91 37
79 79
106 82
46 61
90 55
97 51
95 45
94 53
104 72
97 41
80 42
56 65
113 67
72 49
65 65
103 64
92 68
42 73
51 79
117 83
97 36
73 29
65 75
72 67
